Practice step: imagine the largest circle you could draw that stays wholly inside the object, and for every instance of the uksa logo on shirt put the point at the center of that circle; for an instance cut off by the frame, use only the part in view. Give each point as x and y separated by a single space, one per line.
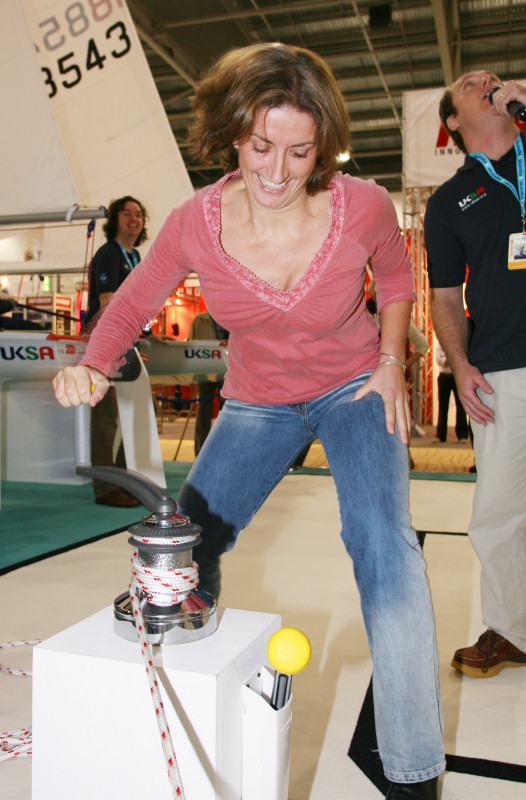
472 198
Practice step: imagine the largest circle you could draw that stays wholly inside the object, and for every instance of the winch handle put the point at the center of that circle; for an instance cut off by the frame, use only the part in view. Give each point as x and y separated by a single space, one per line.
150 494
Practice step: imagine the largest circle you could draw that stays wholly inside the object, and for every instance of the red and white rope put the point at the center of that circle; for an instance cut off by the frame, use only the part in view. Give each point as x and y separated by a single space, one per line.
174 776
160 540
9 670
16 744
164 586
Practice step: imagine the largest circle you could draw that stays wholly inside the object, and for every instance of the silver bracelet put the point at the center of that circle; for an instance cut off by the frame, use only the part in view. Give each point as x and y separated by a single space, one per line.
395 363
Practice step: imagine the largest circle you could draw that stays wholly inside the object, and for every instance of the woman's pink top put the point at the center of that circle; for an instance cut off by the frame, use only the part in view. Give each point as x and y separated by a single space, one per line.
285 346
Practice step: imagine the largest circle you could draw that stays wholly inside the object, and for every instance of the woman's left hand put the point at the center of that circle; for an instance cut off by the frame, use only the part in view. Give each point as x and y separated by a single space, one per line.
389 381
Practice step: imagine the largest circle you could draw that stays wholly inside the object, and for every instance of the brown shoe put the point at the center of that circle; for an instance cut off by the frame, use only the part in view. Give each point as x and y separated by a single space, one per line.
488 656
117 497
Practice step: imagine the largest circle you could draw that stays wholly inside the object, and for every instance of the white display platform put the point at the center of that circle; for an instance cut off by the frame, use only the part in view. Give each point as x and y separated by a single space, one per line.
94 727
36 435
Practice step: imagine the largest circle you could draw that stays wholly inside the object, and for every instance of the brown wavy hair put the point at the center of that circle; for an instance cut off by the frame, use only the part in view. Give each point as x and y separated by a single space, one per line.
272 75
111 225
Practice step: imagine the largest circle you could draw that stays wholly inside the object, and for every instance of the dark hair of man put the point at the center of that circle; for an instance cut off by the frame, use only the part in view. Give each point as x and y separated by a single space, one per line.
446 109
273 75
111 225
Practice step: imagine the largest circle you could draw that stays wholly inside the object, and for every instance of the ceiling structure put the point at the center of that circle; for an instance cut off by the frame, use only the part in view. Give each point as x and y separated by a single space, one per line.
377 49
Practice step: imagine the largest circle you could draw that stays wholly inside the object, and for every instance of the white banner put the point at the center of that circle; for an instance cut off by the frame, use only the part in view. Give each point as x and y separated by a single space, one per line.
429 154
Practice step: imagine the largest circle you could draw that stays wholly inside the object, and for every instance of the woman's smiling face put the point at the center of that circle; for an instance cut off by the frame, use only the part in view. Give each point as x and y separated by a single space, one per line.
279 155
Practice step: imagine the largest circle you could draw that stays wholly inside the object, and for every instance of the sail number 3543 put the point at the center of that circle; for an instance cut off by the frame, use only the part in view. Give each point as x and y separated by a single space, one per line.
77 21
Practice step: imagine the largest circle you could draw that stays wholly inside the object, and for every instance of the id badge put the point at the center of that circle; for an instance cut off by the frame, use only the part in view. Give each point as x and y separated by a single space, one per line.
517 251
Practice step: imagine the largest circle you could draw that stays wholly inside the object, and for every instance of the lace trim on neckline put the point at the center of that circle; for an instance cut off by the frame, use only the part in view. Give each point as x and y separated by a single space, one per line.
284 300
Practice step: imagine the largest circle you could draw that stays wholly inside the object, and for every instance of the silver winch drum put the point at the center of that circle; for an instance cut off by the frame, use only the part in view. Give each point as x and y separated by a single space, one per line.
191 619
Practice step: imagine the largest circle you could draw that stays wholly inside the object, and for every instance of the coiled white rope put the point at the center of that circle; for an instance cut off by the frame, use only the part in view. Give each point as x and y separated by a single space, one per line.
16 744
164 586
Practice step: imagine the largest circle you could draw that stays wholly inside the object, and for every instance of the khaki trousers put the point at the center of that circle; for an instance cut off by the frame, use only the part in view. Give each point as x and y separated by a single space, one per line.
498 524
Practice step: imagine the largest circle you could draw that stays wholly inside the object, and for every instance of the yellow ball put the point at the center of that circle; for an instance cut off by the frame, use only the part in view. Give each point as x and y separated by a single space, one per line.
288 650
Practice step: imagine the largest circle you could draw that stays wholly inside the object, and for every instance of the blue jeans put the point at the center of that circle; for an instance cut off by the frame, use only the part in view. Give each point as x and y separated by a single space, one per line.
248 451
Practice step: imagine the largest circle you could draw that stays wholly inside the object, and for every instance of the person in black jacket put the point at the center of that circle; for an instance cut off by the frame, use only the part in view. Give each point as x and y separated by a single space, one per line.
125 230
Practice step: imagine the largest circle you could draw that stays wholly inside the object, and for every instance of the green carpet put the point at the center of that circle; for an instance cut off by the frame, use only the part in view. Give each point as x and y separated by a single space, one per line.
38 520
414 474
469 477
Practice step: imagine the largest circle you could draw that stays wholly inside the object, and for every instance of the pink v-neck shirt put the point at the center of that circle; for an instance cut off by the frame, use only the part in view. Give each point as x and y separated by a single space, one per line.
285 346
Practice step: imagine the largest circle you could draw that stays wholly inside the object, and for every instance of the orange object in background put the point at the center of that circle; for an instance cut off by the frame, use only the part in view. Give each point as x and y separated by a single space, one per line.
179 310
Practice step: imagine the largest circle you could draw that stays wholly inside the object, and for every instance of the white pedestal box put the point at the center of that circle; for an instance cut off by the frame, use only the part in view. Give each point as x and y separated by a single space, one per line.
94 729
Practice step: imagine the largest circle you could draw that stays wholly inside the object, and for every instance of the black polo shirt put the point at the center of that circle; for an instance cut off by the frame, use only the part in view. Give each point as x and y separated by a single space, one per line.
108 270
468 222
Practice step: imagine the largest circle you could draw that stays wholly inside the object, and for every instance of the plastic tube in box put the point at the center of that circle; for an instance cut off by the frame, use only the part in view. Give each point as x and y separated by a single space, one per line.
266 741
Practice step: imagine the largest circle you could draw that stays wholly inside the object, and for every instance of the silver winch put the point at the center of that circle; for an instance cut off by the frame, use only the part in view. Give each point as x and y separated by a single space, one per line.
164 540
194 617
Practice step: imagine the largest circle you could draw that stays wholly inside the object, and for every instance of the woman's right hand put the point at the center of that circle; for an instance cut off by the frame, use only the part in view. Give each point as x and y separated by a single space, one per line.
76 385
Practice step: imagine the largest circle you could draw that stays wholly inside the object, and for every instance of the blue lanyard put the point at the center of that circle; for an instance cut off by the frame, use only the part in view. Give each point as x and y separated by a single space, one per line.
131 262
521 175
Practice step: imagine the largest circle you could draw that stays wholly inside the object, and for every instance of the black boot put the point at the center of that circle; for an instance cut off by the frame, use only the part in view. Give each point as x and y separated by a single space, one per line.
425 790
210 577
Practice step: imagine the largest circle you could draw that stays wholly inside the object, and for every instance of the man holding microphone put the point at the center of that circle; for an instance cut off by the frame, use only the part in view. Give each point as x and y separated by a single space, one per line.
477 218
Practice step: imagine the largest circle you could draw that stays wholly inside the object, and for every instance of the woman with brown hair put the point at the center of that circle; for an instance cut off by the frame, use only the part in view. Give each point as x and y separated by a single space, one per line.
280 244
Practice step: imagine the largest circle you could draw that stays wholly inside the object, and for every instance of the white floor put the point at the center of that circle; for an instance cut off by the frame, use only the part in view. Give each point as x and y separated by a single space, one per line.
291 561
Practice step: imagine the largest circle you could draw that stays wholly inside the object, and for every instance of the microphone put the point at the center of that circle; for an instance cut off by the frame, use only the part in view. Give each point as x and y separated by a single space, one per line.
514 108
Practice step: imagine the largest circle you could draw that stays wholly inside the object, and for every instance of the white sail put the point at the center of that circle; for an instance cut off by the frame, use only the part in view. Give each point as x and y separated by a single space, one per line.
112 126
114 129
35 174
